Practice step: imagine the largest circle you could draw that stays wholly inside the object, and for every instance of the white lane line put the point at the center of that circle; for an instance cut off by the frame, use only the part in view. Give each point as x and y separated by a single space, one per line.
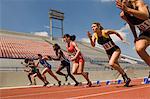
66 91
105 93
17 87
55 92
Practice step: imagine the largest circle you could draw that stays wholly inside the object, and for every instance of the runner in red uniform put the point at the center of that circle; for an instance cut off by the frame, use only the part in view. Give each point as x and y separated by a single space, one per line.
77 57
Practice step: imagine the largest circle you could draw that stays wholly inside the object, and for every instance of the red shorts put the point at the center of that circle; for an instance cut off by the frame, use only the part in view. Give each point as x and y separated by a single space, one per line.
79 59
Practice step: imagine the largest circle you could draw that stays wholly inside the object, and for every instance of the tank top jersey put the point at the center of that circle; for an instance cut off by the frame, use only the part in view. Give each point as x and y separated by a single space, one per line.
45 63
71 49
33 67
63 58
143 25
105 40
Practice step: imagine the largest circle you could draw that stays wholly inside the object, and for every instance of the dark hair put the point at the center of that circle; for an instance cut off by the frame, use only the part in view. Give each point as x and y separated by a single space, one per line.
26 60
39 55
56 46
72 37
99 25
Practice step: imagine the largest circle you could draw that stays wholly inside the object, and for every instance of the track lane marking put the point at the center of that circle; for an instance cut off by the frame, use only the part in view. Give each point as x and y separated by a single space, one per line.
105 93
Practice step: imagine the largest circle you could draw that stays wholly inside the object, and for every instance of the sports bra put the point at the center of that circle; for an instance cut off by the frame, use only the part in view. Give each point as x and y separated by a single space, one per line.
105 40
71 48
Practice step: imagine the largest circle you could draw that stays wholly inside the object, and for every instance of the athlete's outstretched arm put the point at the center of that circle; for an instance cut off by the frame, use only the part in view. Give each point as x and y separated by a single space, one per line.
58 56
114 32
92 39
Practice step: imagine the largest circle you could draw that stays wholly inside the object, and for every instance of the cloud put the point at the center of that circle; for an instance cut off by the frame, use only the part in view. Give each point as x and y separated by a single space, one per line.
123 31
41 33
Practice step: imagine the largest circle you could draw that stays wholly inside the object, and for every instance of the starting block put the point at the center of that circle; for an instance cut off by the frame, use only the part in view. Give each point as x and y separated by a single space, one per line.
113 82
146 80
108 82
98 82
119 81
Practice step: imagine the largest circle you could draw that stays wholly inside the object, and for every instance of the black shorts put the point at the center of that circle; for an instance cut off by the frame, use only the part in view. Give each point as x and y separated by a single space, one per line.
65 63
147 34
111 51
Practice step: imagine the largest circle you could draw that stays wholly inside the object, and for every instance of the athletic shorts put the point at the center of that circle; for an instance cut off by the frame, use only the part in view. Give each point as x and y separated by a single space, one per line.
146 34
79 59
65 63
112 50
34 70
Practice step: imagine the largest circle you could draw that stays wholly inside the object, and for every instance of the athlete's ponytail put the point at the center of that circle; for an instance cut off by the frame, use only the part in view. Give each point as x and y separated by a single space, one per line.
72 37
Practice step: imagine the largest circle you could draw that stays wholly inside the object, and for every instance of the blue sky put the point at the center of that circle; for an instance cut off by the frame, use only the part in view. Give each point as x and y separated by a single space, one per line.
32 16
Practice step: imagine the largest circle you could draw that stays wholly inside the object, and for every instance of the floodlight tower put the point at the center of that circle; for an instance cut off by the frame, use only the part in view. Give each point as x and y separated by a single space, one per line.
57 15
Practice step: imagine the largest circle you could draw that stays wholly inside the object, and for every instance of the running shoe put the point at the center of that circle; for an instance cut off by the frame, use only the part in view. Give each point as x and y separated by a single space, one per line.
59 83
77 84
127 82
45 84
66 77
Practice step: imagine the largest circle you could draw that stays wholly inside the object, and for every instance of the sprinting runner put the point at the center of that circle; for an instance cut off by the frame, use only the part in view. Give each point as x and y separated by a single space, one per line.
77 57
33 71
47 68
137 14
65 63
112 50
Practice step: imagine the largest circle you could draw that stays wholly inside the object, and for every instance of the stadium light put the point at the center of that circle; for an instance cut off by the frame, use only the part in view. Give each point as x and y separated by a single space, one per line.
57 15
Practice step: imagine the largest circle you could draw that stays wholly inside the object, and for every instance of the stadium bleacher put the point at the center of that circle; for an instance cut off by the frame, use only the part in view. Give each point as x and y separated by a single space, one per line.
14 47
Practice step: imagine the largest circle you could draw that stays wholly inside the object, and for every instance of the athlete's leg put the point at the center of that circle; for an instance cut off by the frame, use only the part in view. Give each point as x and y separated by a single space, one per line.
85 74
114 63
114 59
59 70
69 74
141 46
39 75
29 77
45 70
55 77
75 68
33 78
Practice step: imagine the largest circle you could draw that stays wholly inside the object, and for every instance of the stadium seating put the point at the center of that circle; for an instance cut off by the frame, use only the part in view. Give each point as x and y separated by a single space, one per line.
15 47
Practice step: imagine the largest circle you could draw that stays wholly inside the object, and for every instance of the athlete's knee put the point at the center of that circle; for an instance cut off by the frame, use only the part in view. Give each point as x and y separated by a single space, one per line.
112 64
74 73
57 72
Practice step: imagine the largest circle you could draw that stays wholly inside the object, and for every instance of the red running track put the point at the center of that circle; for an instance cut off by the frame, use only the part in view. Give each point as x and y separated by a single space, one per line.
115 91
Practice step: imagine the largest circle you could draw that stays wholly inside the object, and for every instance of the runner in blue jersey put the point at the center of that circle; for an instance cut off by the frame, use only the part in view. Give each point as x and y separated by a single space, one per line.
47 68
33 71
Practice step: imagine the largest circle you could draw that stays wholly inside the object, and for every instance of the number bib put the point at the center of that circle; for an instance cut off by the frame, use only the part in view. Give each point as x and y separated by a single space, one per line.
108 45
144 26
